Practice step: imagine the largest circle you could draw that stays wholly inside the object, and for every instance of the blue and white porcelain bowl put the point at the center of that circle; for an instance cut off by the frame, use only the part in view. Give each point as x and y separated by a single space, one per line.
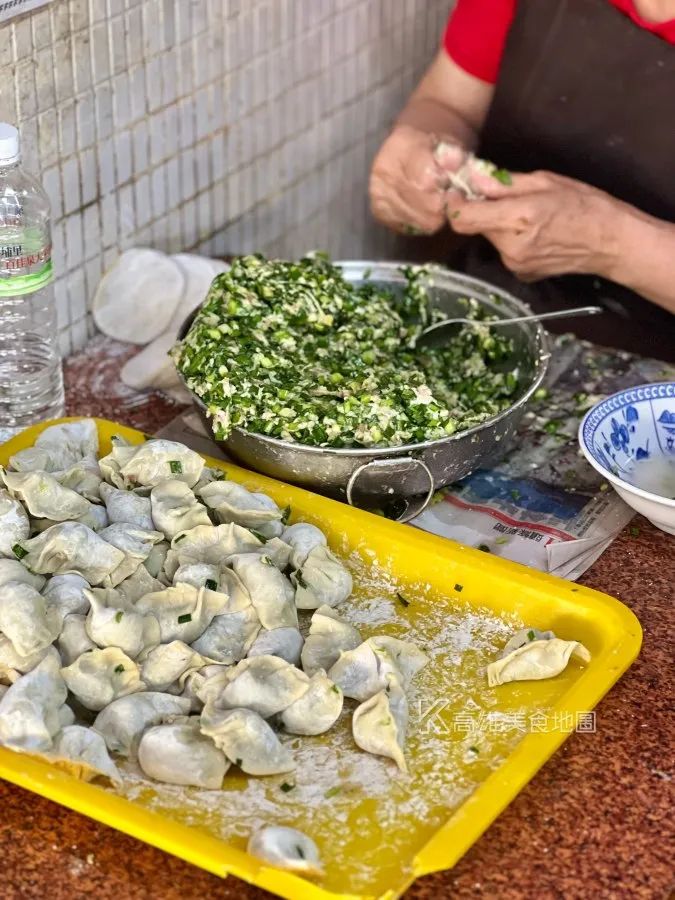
630 439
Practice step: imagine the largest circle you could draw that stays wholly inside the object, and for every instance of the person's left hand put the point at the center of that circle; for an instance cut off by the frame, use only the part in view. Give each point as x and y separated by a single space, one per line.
542 224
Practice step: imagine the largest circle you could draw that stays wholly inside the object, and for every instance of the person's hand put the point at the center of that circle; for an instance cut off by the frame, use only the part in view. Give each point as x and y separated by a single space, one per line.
542 224
407 182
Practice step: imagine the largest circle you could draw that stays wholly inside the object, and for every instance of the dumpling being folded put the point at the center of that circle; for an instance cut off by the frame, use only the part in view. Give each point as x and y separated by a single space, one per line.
82 752
33 709
328 636
123 722
379 724
232 502
180 754
322 580
265 684
317 710
247 741
14 524
26 619
43 496
271 592
72 547
111 625
175 508
100 676
536 660
128 507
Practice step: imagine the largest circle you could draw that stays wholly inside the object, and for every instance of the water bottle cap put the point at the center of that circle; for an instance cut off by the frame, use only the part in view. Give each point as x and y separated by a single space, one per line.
9 144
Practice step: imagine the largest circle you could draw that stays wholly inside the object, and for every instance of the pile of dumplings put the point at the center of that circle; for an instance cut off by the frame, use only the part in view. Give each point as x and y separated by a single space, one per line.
150 609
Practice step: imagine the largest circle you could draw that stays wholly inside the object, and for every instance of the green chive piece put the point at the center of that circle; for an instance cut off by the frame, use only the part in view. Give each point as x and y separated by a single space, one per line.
176 466
211 584
300 851
119 668
179 538
238 761
635 530
530 635
474 750
286 787
118 615
19 552
502 540
484 548
285 514
402 599
266 561
261 537
332 792
184 618
503 176
300 580
459 588
336 689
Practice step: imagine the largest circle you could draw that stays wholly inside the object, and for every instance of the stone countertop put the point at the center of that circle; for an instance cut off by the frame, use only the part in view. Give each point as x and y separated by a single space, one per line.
596 821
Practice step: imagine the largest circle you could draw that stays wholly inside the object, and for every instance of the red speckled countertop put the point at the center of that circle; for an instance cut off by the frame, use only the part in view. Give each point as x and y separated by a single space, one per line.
596 822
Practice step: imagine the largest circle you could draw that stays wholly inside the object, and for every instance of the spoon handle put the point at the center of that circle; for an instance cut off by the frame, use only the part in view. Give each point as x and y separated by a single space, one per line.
555 314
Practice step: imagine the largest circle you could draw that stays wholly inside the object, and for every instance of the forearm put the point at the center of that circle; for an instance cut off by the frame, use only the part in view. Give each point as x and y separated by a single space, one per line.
436 117
644 258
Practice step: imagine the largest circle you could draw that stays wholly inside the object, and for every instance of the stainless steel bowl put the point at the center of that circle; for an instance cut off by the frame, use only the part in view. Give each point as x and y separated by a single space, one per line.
403 479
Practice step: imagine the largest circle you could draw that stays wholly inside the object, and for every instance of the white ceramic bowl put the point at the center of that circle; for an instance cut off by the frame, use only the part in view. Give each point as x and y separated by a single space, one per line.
630 439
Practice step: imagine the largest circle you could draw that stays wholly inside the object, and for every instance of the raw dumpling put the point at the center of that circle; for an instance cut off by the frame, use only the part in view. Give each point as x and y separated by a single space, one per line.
175 508
100 676
74 640
66 593
72 547
110 625
321 580
285 643
123 722
536 660
121 453
164 665
232 502
214 544
82 752
84 478
13 665
43 496
379 724
198 575
184 612
127 506
271 592
277 550
524 636
137 585
12 570
286 848
229 637
26 619
362 672
155 561
328 636
180 754
59 447
303 538
156 460
265 684
247 741
407 658
14 524
95 518
317 710
134 542
31 710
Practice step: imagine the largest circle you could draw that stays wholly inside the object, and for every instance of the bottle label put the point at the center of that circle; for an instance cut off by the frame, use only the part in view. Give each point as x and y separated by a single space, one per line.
17 285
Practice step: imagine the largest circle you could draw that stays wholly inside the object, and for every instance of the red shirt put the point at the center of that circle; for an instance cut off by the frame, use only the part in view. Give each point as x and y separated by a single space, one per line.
476 33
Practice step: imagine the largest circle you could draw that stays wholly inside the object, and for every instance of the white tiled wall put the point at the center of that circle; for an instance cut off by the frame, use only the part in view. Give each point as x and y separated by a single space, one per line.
217 125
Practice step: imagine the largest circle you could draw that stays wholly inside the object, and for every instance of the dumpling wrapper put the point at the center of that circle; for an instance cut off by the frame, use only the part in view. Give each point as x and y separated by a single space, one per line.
176 509
198 575
164 665
100 676
183 611
134 542
26 619
12 570
368 668
111 623
232 502
303 538
229 636
322 580
286 643
271 592
59 447
317 710
74 640
536 660
122 723
82 752
13 665
95 518
524 636
265 684
379 724
72 547
286 848
137 297
247 741
127 506
32 710
328 637
158 460
179 753
43 496
14 524
212 544
66 593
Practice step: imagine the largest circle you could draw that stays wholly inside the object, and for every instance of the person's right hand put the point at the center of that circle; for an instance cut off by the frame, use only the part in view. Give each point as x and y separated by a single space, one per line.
407 184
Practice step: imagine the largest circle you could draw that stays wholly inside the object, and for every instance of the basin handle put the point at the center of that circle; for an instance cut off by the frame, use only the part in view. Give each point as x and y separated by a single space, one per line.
414 507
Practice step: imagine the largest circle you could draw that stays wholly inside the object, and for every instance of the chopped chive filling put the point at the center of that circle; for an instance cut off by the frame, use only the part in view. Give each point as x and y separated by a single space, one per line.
211 584
19 552
285 515
118 615
119 668
185 618
176 466
294 351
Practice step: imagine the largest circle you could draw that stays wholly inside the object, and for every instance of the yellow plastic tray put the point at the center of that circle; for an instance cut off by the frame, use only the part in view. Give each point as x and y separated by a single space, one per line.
371 846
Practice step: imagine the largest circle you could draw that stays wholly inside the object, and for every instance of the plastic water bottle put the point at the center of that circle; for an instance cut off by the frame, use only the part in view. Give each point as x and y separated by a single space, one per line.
31 379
